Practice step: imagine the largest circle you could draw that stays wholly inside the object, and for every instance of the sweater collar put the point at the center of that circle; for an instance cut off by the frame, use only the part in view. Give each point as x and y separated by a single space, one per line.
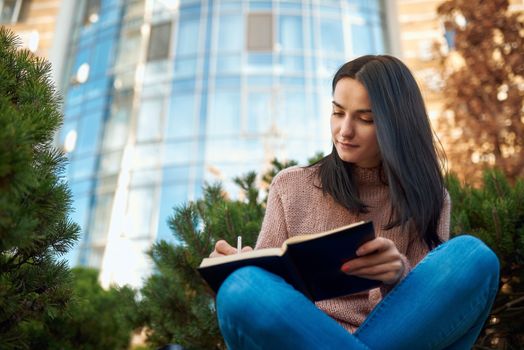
369 176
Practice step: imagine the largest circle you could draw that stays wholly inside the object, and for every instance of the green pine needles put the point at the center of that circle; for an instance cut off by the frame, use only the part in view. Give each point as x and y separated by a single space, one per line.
177 305
34 199
495 214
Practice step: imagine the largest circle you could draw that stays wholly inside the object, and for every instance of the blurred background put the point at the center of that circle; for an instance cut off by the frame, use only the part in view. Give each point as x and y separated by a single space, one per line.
161 97
177 115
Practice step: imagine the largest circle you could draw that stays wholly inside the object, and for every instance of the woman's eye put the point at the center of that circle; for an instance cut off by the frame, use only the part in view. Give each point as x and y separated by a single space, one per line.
366 119
337 114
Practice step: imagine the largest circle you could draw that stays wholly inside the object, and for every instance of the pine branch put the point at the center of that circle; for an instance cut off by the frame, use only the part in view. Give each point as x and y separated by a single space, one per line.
476 346
496 221
34 200
507 306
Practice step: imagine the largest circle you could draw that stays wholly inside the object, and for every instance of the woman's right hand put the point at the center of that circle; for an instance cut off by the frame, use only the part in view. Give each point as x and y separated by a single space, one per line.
222 248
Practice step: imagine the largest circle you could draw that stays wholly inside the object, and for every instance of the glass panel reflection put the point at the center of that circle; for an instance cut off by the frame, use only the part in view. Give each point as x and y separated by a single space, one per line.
293 118
139 210
147 156
259 111
128 48
233 152
117 125
99 223
172 195
89 133
362 39
228 64
101 57
182 152
81 204
230 33
292 64
290 33
182 121
331 36
149 119
176 174
187 39
185 67
224 113
82 167
110 163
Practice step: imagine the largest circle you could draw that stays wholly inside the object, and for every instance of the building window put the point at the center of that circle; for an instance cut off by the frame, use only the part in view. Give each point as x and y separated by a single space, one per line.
290 33
150 116
13 11
332 36
128 48
159 40
91 11
82 74
224 113
188 35
182 119
230 34
117 125
140 205
100 219
260 32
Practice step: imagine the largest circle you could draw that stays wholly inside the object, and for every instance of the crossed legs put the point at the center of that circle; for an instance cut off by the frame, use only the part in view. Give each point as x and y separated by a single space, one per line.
441 304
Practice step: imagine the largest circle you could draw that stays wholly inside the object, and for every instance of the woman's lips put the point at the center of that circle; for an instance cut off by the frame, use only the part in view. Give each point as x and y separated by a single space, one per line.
348 145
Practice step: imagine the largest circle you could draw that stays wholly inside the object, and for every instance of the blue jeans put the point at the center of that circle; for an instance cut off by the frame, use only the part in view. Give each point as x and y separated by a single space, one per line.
442 304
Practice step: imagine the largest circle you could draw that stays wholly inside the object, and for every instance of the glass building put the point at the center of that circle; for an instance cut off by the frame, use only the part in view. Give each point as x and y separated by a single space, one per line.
163 96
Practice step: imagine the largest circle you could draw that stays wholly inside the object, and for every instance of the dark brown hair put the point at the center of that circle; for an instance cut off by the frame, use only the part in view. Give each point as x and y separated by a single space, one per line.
410 161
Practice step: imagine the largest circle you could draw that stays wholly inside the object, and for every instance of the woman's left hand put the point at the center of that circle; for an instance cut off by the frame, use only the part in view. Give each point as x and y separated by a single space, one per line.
378 259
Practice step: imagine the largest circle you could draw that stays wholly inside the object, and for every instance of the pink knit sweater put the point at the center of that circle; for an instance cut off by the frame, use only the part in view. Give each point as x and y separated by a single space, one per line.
296 206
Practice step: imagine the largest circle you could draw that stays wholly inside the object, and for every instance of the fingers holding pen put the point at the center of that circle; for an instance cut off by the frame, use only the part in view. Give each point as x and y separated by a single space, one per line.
222 248
246 249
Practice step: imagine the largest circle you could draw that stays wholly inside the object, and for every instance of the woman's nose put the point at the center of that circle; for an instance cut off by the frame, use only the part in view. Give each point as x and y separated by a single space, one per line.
347 129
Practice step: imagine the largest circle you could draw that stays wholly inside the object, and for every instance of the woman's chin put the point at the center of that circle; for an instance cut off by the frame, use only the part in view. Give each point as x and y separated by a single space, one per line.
347 158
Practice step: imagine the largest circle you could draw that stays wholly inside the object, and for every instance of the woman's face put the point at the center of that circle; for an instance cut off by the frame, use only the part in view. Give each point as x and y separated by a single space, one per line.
352 127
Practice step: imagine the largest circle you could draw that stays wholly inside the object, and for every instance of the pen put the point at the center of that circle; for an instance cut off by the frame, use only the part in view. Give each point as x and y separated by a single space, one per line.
239 244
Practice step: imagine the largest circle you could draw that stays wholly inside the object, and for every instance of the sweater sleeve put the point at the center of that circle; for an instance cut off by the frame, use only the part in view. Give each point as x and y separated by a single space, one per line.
274 229
445 217
417 250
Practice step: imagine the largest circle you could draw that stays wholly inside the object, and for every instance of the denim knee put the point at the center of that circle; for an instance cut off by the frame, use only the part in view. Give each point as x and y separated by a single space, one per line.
234 288
482 260
241 295
485 257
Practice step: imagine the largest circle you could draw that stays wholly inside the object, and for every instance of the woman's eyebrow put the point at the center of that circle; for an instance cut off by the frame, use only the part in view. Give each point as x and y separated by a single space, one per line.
359 111
337 104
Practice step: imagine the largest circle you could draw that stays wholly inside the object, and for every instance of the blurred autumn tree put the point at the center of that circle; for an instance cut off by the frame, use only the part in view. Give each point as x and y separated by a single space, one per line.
483 87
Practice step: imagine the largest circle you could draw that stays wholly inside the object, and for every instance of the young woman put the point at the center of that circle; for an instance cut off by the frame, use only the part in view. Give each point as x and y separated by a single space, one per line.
383 167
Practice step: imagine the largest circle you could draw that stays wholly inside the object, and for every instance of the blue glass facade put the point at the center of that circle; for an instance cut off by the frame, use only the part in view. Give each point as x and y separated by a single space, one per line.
178 93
